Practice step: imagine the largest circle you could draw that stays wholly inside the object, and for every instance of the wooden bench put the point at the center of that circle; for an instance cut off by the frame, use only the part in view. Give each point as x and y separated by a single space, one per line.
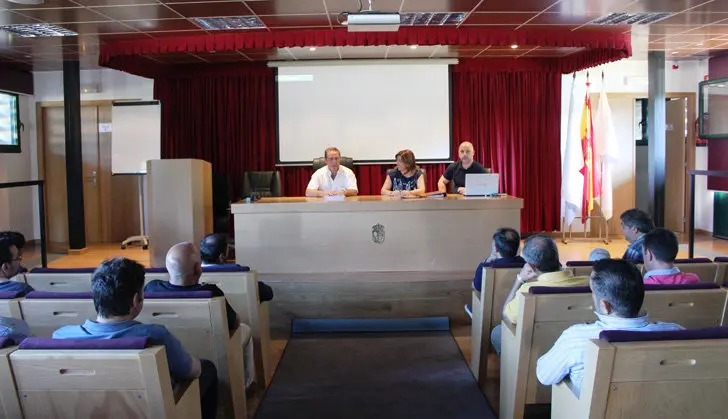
721 276
9 403
60 280
702 267
635 375
584 267
487 308
546 312
10 305
122 379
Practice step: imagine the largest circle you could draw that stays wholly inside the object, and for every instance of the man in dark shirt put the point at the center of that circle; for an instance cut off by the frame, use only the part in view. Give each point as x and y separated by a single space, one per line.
10 267
504 249
214 252
456 172
184 266
18 239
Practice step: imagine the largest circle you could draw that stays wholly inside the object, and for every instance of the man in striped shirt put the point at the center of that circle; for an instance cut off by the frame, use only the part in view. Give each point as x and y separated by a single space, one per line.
618 293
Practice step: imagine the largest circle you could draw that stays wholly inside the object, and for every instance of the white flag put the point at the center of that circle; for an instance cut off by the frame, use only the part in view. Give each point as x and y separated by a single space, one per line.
572 181
605 143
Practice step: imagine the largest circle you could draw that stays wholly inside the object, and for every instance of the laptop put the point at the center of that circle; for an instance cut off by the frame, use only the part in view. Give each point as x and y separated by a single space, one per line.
481 184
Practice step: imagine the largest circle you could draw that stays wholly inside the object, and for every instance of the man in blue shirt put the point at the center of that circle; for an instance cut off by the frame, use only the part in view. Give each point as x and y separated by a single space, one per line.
618 294
118 298
10 267
635 224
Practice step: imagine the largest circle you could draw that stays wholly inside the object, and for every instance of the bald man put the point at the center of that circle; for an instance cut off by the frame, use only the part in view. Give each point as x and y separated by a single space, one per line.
184 265
456 172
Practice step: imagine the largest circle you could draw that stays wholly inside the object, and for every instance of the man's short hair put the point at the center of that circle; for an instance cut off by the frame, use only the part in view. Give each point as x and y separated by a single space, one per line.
326 152
6 255
619 283
662 243
15 238
114 284
212 246
599 254
507 241
541 252
638 219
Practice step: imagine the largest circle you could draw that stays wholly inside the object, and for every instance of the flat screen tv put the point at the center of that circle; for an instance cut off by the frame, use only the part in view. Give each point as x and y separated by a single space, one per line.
713 104
9 123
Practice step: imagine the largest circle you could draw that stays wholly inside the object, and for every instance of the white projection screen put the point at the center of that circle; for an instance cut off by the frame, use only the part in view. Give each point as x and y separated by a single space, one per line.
370 111
136 134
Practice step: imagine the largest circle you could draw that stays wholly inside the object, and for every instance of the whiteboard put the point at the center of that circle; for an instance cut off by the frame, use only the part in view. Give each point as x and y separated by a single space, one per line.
136 135
369 111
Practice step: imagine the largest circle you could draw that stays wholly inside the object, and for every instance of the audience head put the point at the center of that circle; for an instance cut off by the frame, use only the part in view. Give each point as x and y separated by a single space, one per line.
617 288
214 249
405 161
467 153
599 254
15 238
117 287
332 155
541 254
636 222
184 264
9 259
506 242
659 249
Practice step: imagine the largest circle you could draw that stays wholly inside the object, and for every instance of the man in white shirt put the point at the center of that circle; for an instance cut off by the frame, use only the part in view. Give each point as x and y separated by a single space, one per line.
332 179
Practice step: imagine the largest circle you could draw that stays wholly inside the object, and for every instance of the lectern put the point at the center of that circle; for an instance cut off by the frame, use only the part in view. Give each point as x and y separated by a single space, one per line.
179 203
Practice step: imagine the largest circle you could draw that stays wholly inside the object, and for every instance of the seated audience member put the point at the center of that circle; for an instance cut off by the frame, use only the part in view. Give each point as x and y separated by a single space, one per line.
660 250
15 329
407 179
214 252
18 239
184 266
599 254
10 267
618 293
635 224
117 288
332 179
456 172
542 268
503 249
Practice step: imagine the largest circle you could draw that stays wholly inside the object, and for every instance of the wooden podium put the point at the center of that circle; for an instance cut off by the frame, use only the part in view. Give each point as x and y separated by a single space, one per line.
179 204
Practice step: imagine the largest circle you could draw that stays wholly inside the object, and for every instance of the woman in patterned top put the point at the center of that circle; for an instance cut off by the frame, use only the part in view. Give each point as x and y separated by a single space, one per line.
407 179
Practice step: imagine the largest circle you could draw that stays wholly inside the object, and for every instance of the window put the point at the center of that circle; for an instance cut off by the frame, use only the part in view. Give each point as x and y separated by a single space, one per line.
9 123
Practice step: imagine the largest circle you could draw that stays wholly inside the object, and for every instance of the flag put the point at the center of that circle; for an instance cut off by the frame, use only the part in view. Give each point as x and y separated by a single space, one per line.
592 184
605 145
571 180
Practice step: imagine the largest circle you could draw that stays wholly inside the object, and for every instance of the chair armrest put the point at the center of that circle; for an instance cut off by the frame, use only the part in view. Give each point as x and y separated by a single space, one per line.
187 399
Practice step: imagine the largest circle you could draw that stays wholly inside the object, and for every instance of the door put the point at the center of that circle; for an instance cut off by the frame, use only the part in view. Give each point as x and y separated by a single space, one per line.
91 186
54 151
675 164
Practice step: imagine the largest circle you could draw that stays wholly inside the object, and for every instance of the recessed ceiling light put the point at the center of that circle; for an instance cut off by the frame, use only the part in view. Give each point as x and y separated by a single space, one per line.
37 30
413 46
514 46
312 49
26 1
700 43
430 19
630 18
229 23
674 53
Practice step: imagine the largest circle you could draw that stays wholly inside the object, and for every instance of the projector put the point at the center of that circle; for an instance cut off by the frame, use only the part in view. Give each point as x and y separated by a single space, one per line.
372 21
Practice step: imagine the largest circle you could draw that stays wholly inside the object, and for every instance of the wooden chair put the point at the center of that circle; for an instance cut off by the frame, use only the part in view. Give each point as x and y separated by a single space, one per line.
721 276
635 375
545 312
46 312
200 323
10 305
60 280
116 378
9 403
487 308
240 286
702 267
584 267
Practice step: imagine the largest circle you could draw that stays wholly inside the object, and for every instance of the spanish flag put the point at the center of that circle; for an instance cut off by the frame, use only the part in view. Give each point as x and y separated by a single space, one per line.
592 183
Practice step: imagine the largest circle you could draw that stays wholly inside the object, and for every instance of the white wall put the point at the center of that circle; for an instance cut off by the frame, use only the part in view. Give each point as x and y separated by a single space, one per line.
631 76
111 85
703 197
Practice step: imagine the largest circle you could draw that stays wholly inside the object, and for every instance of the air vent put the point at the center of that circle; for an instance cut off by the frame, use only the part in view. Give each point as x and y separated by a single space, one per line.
430 19
630 18
37 30
229 23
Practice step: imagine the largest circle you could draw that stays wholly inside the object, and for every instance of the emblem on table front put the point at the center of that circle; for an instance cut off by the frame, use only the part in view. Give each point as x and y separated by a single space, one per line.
378 233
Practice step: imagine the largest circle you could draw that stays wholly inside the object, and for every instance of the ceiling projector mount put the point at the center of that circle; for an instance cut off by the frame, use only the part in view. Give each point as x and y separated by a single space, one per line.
370 20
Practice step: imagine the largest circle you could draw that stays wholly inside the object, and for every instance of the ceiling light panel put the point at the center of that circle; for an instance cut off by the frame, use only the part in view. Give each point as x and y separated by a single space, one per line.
430 19
229 23
37 30
630 18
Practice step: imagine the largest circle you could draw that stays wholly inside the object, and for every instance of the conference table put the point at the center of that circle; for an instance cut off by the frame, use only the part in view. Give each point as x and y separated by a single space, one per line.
369 256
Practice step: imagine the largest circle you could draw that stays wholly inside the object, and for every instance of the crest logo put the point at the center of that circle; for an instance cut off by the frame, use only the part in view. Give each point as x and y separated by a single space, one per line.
378 234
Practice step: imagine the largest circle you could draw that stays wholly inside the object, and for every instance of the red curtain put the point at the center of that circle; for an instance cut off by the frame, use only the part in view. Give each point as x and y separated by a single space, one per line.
227 117
513 120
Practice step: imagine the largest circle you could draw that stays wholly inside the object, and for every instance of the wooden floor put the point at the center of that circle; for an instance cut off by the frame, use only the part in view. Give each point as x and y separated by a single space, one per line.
705 246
